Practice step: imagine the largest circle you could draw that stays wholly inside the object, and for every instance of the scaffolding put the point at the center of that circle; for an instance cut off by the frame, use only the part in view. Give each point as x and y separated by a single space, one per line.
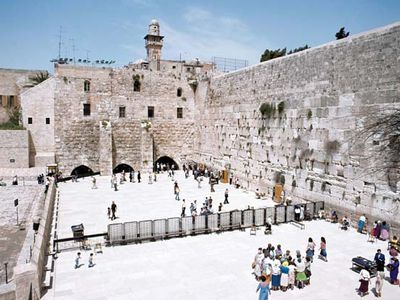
225 64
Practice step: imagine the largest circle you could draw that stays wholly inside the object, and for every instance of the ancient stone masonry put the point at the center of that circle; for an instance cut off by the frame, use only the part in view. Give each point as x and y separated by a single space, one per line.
291 120
294 120
110 92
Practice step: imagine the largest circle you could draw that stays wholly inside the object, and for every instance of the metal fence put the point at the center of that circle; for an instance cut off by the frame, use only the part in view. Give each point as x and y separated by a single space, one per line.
164 228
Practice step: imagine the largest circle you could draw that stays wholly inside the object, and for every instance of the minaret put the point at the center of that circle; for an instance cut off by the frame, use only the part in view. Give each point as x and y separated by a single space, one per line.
154 41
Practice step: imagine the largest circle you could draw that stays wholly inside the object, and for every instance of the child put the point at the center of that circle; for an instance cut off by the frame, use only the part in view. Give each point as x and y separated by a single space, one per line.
323 255
91 264
77 260
109 212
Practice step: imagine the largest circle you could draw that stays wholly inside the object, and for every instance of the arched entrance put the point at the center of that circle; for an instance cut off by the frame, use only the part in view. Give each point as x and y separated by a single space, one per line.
166 163
82 170
122 167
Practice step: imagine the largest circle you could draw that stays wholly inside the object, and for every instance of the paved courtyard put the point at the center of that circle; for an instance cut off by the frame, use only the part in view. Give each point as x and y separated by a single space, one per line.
79 203
215 266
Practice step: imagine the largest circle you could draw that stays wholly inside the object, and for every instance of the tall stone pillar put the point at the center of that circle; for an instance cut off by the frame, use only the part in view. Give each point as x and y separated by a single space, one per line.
106 156
147 148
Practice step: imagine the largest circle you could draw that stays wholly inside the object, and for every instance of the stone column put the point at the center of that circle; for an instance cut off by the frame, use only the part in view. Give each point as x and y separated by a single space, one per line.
105 144
147 149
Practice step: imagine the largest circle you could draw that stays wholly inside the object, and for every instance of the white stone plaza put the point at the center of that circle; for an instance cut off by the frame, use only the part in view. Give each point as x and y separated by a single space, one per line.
79 203
214 266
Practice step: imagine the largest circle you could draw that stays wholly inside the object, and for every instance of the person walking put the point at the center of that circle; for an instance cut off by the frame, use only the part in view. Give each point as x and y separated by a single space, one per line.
91 264
361 222
78 260
310 249
364 282
257 263
94 183
226 196
130 176
183 208
323 255
263 287
108 212
394 270
113 210
380 277
139 176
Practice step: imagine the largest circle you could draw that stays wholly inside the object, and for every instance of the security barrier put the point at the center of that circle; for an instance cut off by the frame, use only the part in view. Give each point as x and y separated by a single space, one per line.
237 219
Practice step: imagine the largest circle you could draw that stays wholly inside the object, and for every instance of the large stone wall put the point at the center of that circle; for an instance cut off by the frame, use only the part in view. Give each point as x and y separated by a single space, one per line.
14 149
328 93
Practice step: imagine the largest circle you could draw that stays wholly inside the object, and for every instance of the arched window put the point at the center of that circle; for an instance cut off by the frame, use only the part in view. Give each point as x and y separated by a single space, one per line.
136 85
86 86
179 92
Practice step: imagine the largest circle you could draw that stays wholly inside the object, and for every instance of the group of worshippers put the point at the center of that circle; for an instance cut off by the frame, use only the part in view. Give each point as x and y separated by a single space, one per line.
380 260
278 270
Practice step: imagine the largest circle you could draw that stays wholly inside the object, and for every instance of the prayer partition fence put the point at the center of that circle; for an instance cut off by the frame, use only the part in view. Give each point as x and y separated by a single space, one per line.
137 231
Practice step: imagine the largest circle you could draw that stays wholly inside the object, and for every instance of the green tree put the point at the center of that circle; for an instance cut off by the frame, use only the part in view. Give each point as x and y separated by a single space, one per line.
341 34
39 77
298 49
271 54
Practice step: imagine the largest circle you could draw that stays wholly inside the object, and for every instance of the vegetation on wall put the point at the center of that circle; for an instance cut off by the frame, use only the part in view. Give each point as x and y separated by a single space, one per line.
281 107
309 114
341 34
267 110
332 146
382 132
14 115
271 54
38 78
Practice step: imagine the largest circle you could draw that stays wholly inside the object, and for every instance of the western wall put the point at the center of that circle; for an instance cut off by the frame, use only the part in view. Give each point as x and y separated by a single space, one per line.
328 93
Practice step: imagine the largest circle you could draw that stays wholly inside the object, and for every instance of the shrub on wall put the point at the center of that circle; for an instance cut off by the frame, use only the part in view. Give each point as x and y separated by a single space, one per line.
309 114
281 107
267 110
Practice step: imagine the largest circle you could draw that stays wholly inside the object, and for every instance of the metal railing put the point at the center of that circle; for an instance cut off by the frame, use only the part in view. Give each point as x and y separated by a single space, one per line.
137 231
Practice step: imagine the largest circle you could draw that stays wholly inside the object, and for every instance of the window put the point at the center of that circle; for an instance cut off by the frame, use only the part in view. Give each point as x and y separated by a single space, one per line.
173 67
47 120
136 85
122 111
179 92
150 111
86 86
179 112
86 109
29 120
10 101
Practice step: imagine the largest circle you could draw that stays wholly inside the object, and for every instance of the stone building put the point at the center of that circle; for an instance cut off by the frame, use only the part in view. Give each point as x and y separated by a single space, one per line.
12 84
106 118
314 103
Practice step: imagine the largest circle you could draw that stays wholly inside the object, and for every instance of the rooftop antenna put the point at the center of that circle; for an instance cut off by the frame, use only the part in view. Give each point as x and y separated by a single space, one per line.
59 42
73 49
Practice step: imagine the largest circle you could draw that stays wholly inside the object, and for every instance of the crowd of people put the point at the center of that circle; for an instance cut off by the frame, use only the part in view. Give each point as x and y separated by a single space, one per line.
276 269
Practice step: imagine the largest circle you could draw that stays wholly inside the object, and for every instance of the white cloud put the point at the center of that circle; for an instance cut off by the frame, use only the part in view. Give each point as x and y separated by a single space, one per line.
203 35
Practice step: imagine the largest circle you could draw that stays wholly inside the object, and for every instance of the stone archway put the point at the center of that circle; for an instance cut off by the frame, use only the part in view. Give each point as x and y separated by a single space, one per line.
82 170
167 161
122 167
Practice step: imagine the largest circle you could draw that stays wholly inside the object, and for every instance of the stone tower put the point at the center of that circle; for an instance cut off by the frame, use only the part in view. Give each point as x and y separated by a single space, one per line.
154 41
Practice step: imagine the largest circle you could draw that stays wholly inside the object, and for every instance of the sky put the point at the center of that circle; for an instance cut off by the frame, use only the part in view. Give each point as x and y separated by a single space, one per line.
114 29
